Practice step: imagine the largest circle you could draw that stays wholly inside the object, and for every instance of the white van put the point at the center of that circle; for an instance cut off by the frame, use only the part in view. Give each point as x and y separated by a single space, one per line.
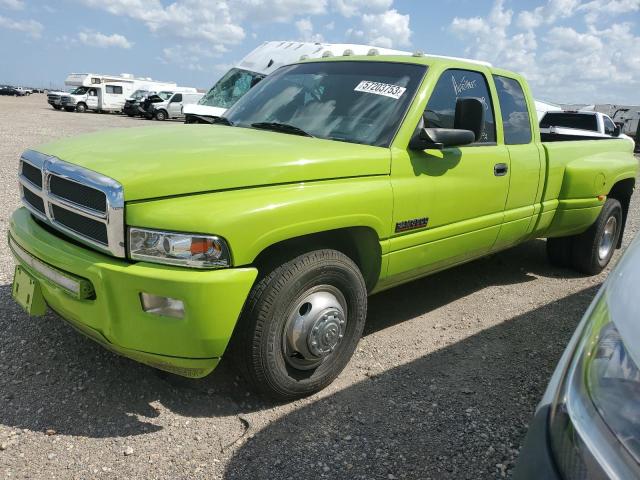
173 106
265 59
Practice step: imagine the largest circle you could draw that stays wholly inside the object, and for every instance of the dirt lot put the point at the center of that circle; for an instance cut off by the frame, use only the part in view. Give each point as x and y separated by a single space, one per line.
442 386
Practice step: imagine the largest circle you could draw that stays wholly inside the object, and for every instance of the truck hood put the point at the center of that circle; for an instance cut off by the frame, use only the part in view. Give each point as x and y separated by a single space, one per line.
161 161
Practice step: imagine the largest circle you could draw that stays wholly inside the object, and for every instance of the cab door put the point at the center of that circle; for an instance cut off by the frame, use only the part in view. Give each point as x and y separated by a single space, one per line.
175 105
448 204
92 99
526 158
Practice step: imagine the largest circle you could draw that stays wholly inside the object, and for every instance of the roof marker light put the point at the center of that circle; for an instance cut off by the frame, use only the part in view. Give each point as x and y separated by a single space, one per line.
372 52
347 53
327 54
304 57
418 53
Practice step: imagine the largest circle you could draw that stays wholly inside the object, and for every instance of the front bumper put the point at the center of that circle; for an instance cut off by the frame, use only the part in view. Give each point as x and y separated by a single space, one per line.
191 346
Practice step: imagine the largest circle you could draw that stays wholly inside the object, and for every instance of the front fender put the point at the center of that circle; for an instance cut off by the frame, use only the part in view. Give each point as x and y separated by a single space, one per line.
253 219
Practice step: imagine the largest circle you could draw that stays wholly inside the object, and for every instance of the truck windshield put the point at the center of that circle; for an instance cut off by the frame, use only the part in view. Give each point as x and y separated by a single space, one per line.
582 121
165 95
138 94
80 91
233 85
350 101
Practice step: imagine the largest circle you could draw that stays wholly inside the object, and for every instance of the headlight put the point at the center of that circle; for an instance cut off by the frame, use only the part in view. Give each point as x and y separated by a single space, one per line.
595 420
190 250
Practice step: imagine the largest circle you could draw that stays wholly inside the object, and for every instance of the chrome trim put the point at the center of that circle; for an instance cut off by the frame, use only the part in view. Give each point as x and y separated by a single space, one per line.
45 270
113 217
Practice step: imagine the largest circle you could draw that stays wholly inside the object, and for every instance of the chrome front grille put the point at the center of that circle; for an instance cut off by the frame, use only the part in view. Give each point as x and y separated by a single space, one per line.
80 203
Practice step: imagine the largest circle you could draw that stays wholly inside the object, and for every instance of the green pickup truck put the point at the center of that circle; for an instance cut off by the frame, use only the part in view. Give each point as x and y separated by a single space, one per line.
263 235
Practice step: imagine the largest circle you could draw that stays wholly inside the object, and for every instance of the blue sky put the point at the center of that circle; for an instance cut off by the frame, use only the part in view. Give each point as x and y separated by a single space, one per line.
570 50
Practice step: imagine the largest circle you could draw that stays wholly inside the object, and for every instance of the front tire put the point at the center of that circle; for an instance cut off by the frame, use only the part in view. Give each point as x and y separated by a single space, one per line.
81 108
301 324
161 115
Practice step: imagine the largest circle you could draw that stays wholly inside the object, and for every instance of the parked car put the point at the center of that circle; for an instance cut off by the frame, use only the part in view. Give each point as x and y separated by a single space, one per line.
144 108
132 104
330 180
588 422
172 107
12 91
578 125
54 98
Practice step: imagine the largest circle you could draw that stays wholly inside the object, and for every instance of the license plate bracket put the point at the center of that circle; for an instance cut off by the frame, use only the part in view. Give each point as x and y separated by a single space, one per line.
27 293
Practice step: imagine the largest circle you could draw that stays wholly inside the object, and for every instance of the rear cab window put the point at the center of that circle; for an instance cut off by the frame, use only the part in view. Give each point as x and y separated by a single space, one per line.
454 84
516 121
609 126
582 121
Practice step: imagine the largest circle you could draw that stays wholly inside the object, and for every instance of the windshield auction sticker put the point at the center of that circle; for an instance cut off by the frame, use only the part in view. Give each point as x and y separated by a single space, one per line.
393 91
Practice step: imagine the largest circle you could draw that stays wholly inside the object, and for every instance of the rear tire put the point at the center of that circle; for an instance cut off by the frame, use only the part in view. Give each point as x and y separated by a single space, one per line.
301 324
592 250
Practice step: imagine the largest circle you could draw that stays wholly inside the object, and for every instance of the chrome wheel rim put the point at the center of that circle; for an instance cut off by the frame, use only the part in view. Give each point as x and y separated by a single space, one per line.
608 237
315 327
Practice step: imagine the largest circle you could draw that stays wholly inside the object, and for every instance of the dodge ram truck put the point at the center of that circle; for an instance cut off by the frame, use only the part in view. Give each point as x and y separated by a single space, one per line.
261 236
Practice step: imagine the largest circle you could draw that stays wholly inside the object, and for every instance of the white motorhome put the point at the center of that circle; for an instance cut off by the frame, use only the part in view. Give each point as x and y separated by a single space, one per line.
265 59
105 93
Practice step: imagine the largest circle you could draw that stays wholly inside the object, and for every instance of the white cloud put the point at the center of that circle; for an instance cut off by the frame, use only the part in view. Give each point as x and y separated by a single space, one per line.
563 64
305 29
605 9
388 29
12 4
97 39
221 24
547 14
30 27
350 8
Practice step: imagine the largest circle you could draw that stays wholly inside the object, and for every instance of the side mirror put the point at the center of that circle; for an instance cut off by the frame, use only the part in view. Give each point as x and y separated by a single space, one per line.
467 128
617 131
440 138
469 116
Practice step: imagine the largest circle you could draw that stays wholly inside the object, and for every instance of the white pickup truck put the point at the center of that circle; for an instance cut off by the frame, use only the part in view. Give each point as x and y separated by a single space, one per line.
578 125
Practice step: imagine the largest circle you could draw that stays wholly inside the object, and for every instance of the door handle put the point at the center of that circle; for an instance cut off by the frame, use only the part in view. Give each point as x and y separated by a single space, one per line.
500 169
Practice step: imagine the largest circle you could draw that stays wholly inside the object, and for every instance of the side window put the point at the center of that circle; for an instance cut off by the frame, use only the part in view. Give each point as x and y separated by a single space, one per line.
114 89
609 126
513 107
454 84
177 98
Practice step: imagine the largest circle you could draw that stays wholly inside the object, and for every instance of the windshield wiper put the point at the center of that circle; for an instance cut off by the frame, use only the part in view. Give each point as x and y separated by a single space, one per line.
222 120
281 127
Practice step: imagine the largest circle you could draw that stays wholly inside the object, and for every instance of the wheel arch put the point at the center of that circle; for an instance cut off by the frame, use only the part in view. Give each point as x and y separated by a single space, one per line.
622 191
360 244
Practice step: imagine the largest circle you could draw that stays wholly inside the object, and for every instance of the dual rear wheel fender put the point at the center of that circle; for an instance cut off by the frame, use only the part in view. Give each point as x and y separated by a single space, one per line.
590 252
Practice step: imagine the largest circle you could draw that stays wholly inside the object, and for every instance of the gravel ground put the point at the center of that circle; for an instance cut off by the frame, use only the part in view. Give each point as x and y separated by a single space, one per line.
442 385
